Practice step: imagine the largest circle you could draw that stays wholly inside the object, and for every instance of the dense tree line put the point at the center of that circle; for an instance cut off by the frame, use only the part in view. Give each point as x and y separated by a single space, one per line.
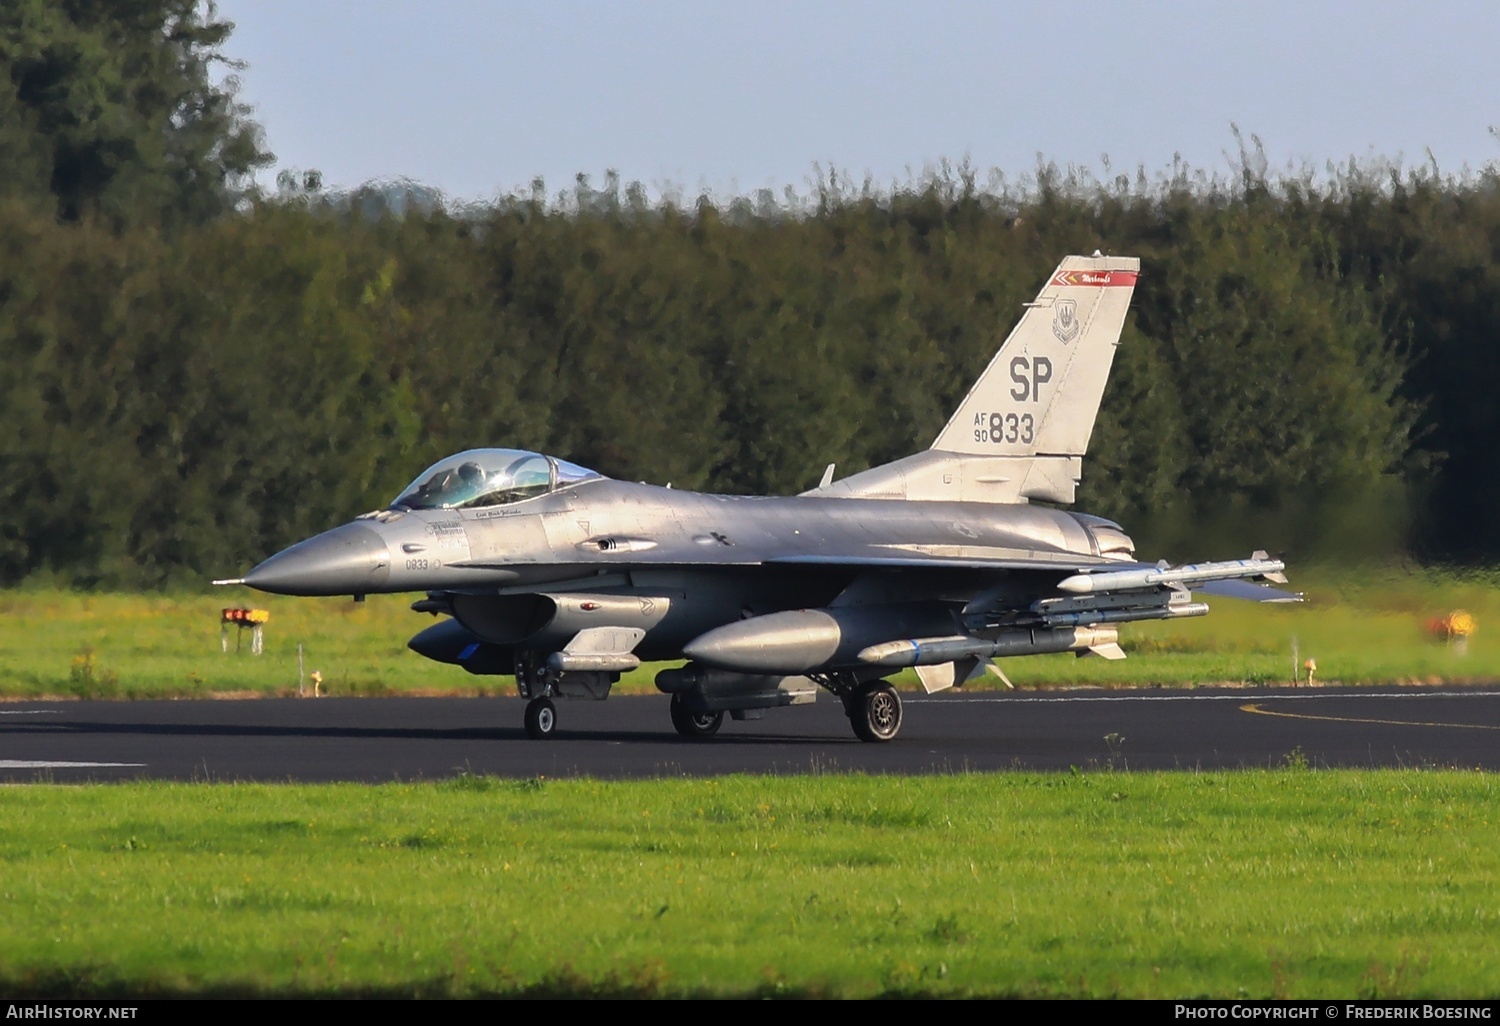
109 111
193 375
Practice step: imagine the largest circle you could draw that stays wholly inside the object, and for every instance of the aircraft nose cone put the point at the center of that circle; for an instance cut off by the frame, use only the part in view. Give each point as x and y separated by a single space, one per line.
348 560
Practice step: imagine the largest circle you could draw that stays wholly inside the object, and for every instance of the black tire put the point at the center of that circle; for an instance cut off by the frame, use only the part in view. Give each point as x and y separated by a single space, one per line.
541 718
694 724
875 713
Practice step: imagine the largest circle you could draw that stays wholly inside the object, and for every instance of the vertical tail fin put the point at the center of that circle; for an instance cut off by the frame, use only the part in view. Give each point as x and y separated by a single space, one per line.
1041 392
1021 431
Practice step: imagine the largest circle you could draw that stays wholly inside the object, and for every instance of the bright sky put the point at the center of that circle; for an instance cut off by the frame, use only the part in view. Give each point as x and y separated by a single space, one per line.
478 98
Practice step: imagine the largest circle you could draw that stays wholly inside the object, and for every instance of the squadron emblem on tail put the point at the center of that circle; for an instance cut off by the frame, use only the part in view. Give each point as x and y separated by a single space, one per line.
1065 320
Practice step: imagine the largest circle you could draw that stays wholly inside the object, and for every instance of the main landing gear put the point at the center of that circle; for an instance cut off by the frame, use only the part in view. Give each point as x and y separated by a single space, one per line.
541 718
874 712
694 724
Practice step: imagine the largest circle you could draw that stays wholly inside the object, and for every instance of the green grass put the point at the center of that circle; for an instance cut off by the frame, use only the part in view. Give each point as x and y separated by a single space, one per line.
1283 883
1366 625
60 643
1361 626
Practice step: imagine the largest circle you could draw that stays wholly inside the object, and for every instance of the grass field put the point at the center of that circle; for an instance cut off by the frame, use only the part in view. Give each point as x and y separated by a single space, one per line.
1289 882
1365 625
1282 883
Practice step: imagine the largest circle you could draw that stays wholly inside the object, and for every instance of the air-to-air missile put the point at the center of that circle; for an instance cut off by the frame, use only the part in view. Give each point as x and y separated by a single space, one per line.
1259 565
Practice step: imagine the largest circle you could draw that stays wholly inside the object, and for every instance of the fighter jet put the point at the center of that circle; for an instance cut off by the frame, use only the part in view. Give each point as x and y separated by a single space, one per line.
941 561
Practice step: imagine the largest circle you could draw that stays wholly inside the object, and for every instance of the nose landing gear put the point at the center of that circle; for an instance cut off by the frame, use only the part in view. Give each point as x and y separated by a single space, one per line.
540 684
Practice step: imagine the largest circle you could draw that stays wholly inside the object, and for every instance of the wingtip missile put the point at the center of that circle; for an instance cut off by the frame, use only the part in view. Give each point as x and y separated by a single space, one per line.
1151 577
1275 576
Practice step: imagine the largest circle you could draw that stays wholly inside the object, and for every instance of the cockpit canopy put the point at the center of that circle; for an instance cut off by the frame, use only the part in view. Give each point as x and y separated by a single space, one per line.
488 477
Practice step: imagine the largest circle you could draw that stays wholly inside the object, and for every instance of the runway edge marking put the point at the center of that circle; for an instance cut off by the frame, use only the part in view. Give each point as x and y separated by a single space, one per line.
1000 696
1252 707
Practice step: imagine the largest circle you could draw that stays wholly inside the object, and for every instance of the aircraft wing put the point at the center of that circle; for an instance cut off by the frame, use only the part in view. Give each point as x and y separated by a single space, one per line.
1226 579
1079 573
841 555
1060 562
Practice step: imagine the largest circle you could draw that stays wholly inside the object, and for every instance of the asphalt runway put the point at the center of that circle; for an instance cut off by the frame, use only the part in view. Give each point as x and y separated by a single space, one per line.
377 739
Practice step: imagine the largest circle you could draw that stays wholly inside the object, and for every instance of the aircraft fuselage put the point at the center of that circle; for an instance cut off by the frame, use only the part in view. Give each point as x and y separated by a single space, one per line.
602 526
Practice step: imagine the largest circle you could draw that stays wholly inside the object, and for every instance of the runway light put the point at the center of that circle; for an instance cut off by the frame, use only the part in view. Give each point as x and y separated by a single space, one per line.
1455 628
254 619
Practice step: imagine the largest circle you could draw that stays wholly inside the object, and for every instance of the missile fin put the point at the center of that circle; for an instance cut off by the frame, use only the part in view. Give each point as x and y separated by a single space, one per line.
937 676
995 669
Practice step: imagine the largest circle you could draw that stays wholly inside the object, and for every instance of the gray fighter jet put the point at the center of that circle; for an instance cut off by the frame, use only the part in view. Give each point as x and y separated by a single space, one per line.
565 578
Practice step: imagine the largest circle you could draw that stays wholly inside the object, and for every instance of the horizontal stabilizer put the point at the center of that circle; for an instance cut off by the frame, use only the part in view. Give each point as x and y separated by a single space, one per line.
1250 592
